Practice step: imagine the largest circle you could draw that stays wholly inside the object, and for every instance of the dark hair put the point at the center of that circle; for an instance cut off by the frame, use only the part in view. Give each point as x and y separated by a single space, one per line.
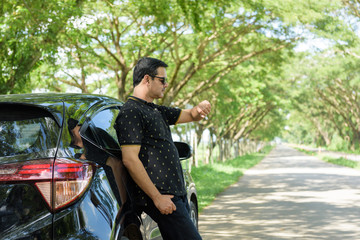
146 65
72 123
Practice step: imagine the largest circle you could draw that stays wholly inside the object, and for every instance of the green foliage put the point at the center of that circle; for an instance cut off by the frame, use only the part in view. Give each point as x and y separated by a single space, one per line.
306 151
338 161
237 54
338 144
325 103
99 49
294 12
343 162
196 12
28 37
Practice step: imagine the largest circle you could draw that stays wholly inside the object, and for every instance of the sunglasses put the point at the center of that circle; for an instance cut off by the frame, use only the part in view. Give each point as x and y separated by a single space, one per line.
163 80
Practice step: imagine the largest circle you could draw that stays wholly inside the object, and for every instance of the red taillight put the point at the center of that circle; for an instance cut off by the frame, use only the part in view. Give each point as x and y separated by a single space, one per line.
60 187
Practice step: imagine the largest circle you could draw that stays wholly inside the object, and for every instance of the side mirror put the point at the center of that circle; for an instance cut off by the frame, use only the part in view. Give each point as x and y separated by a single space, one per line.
184 150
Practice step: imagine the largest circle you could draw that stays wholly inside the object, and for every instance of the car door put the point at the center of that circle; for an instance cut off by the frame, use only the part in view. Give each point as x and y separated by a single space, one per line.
99 131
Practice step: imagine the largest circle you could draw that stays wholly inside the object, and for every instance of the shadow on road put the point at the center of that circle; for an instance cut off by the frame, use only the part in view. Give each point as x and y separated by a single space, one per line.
289 195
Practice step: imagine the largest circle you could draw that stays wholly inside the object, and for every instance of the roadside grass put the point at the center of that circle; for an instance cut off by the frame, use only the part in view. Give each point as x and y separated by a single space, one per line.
306 151
213 179
338 161
342 162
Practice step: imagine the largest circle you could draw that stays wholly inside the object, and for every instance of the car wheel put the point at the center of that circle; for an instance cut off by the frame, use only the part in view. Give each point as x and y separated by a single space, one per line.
194 214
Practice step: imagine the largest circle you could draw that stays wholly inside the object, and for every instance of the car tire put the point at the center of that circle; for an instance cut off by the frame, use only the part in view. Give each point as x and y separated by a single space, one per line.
194 214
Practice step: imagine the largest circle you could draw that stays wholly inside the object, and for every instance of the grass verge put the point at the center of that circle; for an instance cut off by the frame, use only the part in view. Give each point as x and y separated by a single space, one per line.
305 151
338 161
213 179
342 162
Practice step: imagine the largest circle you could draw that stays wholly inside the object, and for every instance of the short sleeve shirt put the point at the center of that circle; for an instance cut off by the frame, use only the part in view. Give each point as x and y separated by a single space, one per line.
147 124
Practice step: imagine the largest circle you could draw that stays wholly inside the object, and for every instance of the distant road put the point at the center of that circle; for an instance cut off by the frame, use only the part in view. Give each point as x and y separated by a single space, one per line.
289 195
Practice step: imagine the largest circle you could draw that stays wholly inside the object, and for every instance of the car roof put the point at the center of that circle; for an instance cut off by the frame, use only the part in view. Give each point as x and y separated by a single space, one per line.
52 97
55 102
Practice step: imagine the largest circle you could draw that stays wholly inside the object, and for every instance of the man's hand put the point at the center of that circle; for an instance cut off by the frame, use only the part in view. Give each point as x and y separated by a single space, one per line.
130 157
203 108
196 113
164 204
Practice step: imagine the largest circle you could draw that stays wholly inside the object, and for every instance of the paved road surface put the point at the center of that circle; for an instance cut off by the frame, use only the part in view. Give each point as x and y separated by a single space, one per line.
289 195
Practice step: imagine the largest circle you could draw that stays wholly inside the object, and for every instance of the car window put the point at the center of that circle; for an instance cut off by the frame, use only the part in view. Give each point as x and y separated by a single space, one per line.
25 130
102 128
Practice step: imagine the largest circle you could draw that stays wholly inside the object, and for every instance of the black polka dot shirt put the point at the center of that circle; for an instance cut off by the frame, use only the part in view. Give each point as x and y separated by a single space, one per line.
147 124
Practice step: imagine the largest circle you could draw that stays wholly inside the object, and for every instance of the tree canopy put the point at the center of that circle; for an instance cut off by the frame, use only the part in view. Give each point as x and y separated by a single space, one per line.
28 37
243 56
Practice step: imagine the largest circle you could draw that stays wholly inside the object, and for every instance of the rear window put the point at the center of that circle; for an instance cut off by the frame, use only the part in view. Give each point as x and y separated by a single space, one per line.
26 129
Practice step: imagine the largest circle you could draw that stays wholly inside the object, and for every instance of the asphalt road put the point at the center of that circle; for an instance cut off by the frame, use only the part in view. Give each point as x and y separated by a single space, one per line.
289 195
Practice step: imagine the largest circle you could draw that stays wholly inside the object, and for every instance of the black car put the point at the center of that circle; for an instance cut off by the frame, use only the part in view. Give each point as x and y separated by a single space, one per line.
54 183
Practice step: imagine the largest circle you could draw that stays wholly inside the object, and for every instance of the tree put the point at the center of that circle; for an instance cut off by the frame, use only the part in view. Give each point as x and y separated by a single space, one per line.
118 33
231 52
28 37
206 43
328 97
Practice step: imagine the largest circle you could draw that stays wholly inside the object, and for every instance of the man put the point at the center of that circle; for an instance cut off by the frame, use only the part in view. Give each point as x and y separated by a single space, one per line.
149 153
